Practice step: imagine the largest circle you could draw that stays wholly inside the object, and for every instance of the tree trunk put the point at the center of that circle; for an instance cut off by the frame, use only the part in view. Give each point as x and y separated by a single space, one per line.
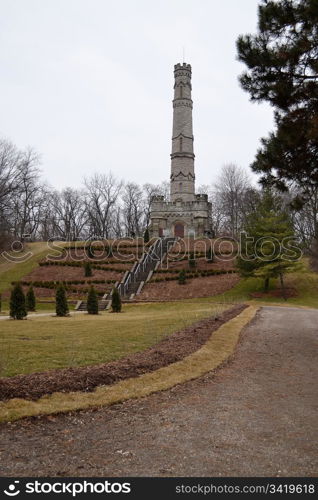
266 285
282 284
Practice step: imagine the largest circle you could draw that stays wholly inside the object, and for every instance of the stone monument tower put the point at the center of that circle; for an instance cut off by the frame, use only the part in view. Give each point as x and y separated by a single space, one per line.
187 213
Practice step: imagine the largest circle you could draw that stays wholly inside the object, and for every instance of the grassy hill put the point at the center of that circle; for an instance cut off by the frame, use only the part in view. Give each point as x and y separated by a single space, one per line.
16 266
303 285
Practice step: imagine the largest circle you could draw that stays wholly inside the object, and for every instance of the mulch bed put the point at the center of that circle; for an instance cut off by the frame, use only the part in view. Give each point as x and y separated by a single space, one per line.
194 288
173 348
289 293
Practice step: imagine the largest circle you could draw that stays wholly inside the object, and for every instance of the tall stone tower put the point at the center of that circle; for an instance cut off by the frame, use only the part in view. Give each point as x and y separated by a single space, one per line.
186 213
182 157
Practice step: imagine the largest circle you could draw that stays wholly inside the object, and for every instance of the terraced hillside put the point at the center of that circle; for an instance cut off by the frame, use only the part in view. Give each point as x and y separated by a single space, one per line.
208 272
108 265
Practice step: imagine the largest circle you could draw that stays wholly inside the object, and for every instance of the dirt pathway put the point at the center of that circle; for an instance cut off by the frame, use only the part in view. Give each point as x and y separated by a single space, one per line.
41 315
255 416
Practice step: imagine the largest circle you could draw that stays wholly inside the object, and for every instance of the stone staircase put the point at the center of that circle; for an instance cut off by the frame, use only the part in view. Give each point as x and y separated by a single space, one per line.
134 280
102 304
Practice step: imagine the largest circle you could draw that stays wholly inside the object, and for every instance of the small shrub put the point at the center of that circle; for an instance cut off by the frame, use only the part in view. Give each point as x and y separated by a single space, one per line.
88 270
116 301
182 277
30 299
210 255
92 301
90 252
61 305
17 303
146 236
192 261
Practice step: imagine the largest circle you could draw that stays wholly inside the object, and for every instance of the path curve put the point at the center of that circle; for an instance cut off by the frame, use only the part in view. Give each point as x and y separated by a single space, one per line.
257 416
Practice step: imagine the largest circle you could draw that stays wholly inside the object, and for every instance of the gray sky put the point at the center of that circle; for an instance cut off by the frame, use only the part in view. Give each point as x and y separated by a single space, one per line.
89 84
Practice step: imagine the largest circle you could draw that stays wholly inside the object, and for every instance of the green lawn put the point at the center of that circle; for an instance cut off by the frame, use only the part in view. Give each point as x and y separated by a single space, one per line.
38 344
304 282
15 270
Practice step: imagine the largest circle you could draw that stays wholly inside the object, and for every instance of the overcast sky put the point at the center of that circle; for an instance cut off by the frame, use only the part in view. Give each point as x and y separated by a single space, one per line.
89 84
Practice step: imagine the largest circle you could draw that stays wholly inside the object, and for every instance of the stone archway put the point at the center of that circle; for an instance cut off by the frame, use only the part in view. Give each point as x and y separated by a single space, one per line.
179 230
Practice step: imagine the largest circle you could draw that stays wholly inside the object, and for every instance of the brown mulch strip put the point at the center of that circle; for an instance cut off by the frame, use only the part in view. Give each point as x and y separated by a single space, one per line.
86 378
289 293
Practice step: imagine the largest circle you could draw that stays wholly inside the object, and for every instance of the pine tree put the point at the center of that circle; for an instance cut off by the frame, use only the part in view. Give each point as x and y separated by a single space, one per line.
281 61
30 299
88 270
146 236
17 303
90 252
61 301
266 250
210 254
92 301
192 261
182 277
116 301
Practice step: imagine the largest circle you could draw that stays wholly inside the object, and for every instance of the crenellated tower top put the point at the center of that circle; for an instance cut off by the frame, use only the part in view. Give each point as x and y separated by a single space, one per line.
182 156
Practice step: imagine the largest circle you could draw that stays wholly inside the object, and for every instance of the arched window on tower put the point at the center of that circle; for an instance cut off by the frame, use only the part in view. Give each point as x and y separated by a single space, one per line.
181 91
180 187
180 143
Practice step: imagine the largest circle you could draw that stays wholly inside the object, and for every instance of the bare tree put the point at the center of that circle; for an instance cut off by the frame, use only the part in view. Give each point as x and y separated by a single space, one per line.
305 214
10 162
70 214
26 200
102 192
230 192
117 228
19 184
133 209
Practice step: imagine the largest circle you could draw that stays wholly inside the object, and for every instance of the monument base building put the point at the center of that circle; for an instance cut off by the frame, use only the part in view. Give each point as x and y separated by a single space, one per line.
181 218
186 214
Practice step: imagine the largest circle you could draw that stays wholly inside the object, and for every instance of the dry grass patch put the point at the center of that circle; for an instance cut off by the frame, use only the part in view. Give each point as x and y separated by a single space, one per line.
219 347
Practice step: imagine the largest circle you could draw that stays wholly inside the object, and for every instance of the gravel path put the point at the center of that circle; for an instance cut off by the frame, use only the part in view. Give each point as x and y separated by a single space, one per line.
255 416
40 315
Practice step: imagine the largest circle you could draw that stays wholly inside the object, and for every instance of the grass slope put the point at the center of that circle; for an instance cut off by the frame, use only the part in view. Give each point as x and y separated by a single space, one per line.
43 343
304 282
16 270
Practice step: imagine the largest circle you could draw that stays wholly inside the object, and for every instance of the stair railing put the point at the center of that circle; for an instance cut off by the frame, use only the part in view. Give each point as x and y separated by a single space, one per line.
146 263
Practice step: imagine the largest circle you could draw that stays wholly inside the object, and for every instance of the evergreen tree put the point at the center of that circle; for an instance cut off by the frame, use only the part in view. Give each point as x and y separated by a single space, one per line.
268 250
192 261
182 277
92 301
61 305
282 69
90 252
146 236
88 270
17 303
30 299
210 254
116 301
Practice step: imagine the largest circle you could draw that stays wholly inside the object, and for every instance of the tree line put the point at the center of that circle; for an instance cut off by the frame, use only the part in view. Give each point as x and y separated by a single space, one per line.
106 207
